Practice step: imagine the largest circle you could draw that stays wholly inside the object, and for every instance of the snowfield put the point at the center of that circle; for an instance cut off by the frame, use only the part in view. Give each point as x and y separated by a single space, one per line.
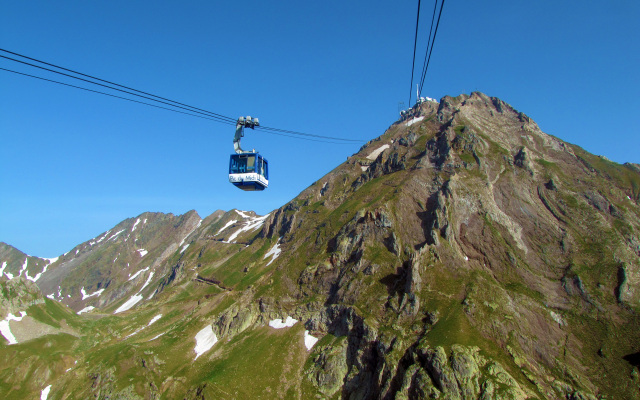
5 329
138 273
252 224
135 299
278 324
275 252
309 341
374 154
86 309
45 393
86 296
226 226
413 121
142 252
205 339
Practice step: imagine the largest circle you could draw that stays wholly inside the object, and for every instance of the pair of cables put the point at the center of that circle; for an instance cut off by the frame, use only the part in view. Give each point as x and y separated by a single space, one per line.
430 42
149 98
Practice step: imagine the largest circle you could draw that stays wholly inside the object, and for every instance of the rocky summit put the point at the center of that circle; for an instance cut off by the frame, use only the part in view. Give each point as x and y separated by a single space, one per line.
463 254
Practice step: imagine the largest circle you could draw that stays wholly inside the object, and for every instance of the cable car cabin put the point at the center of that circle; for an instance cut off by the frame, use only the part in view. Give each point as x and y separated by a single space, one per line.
249 171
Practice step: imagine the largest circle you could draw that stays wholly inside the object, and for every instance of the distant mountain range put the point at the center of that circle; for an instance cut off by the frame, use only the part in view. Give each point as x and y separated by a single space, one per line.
463 254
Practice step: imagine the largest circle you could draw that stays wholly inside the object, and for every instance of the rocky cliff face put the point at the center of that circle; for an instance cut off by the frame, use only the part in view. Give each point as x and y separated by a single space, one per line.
463 254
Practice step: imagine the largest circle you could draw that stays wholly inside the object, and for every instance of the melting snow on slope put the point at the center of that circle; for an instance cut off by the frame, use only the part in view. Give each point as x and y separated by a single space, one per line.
309 341
154 319
138 273
45 393
24 266
52 260
275 252
104 236
4 265
188 234
142 252
278 324
86 309
38 275
114 235
226 226
413 121
155 337
252 224
243 215
136 224
135 298
5 329
205 339
374 154
184 248
86 296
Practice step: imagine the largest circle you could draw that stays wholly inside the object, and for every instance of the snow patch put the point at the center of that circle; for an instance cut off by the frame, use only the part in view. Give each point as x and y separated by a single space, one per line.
52 260
226 226
129 303
252 224
415 120
278 324
184 248
364 167
135 299
24 266
154 319
309 341
189 234
138 273
374 154
466 258
242 214
4 265
154 338
114 235
275 252
136 224
142 252
5 329
86 296
205 339
45 393
77 251
51 296
102 238
86 309
38 275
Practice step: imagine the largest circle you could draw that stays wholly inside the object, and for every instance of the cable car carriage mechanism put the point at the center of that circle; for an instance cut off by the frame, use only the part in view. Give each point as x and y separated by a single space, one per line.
248 170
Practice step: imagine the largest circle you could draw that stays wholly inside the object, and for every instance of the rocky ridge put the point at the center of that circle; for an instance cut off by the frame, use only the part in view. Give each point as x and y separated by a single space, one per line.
463 254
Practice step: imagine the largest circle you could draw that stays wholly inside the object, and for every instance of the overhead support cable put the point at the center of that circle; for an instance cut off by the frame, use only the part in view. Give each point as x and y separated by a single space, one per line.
426 53
113 83
413 63
432 43
113 95
189 110
226 119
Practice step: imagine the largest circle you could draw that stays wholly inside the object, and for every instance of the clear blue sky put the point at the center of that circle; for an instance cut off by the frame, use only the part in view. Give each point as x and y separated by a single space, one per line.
74 164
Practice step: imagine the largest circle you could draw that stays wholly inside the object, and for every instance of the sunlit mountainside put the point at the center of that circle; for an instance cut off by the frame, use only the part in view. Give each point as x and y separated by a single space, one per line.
462 254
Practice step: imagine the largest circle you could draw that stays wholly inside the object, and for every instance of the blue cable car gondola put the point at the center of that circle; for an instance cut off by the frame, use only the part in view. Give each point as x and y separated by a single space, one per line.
248 170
